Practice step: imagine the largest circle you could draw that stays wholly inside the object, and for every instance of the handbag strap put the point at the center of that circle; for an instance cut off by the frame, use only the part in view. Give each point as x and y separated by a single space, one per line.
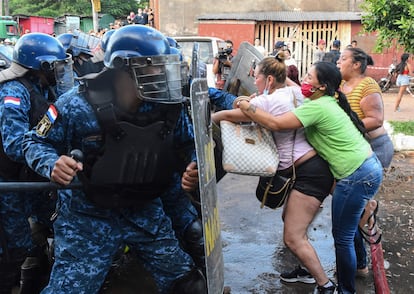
295 103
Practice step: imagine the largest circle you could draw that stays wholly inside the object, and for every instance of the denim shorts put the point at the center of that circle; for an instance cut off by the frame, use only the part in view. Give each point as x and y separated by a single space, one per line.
402 80
313 178
383 148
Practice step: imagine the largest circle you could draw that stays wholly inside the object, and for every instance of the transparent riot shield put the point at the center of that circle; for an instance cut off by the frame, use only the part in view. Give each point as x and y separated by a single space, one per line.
200 111
242 69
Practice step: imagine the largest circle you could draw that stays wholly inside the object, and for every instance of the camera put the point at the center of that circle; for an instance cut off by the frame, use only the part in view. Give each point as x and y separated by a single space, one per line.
223 51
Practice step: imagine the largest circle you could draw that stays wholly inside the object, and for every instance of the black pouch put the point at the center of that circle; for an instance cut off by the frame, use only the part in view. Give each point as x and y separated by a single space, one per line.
273 191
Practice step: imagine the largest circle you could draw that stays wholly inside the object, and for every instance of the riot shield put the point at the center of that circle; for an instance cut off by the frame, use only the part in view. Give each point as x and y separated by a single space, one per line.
200 107
198 68
242 70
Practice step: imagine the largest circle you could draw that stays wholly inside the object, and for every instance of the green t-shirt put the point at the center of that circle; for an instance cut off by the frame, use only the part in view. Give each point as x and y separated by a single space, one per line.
331 132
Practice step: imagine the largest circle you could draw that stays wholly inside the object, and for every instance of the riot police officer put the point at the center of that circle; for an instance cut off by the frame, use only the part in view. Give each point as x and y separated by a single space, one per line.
78 46
40 70
136 135
178 204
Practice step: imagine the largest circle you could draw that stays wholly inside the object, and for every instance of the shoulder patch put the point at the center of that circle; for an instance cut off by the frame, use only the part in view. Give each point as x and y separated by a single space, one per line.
47 121
12 101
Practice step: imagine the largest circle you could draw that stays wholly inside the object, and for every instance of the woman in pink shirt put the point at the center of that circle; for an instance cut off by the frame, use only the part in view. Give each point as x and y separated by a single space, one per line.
314 180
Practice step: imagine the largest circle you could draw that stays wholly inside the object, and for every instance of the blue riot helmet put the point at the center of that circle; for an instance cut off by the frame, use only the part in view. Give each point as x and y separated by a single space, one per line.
82 43
146 53
42 52
105 39
38 51
173 43
174 50
65 39
73 46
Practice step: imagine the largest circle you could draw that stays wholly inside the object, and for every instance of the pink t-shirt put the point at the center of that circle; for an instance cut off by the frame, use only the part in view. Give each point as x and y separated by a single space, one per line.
277 103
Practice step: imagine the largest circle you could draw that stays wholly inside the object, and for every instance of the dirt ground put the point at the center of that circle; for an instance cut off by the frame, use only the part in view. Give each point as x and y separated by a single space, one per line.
396 210
396 221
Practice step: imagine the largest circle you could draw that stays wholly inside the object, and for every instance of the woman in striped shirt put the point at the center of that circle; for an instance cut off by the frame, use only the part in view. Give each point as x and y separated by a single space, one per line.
364 97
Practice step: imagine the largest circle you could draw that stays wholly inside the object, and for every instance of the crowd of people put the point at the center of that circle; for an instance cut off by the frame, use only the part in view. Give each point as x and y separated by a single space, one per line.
336 84
65 117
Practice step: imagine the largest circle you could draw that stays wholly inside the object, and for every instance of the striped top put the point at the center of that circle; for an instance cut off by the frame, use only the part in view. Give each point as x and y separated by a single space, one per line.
366 87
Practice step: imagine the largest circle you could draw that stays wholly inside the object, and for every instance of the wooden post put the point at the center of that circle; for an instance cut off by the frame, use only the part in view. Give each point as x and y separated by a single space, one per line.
96 7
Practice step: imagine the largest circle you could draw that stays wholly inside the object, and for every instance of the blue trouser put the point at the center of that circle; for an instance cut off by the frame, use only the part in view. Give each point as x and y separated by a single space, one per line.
349 199
87 238
384 149
16 208
178 206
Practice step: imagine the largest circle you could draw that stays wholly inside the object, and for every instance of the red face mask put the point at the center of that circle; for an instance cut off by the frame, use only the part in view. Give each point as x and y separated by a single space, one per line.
307 89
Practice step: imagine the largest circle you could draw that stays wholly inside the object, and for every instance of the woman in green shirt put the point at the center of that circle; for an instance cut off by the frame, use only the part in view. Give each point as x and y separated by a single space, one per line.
330 130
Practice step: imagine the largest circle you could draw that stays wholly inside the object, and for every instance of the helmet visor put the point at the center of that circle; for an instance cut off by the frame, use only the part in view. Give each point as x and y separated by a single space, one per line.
84 43
64 75
158 78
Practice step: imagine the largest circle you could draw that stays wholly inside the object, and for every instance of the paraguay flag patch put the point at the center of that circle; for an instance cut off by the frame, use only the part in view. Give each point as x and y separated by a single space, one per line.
52 113
12 101
47 121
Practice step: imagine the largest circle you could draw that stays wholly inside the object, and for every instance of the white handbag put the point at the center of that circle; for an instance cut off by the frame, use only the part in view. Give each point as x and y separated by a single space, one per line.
248 149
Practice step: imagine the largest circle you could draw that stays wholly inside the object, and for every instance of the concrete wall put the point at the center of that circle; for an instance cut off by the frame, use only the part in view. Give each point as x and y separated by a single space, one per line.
179 17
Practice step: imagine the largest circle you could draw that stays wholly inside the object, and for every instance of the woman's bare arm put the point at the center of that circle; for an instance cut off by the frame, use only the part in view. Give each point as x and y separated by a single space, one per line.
274 123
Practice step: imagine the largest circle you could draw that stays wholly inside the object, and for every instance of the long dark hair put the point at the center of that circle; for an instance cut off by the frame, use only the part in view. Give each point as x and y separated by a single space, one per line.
359 55
330 76
400 66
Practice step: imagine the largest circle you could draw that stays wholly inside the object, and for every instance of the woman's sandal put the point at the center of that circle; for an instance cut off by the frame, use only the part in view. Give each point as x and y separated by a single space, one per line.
370 225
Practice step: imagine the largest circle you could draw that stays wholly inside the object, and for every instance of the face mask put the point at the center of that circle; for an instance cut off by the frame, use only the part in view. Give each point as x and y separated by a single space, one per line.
307 90
266 90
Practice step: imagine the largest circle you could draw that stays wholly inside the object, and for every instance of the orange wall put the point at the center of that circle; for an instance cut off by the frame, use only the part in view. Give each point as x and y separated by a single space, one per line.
236 32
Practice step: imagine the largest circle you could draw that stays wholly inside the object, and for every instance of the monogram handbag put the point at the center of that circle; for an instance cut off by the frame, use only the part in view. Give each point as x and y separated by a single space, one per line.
248 149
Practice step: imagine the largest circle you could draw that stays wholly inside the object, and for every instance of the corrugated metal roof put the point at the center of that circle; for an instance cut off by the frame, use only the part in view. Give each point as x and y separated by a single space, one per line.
285 16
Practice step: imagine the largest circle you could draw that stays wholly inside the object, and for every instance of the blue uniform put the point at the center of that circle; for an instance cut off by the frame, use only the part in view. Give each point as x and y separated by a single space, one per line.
15 208
221 99
87 236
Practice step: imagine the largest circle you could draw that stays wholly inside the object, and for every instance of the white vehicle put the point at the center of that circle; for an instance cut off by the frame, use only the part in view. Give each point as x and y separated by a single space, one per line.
209 48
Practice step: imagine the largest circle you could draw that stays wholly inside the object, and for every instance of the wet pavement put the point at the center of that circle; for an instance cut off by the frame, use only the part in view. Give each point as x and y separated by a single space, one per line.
253 249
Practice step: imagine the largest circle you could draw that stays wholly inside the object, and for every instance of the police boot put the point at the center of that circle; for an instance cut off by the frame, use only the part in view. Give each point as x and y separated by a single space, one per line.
193 282
9 274
194 243
34 274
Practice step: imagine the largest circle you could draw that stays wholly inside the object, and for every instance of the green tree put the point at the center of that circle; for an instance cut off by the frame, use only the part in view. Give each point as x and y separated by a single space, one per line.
54 8
392 20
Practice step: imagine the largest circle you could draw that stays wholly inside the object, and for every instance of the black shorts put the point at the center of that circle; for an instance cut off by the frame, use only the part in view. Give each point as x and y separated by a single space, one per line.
313 178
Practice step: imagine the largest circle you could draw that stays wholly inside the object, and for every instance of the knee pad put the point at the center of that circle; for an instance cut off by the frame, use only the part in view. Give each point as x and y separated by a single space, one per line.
193 282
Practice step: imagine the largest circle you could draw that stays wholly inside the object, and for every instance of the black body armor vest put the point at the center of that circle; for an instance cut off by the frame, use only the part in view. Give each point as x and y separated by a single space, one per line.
12 170
138 160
